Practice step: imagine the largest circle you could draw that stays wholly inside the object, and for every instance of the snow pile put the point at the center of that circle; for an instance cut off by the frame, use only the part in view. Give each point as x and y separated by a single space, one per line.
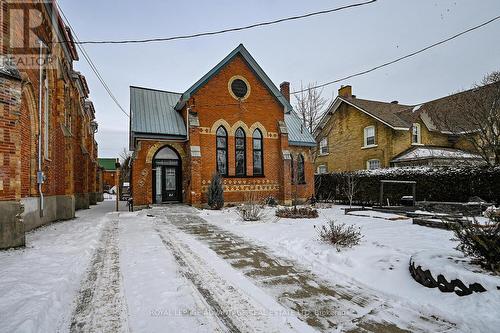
379 263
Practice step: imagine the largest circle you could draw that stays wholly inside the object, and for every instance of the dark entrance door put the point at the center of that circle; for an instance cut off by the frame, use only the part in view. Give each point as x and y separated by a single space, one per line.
167 177
170 190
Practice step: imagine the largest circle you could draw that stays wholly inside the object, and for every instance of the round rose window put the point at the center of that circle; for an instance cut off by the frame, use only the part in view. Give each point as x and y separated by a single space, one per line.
239 88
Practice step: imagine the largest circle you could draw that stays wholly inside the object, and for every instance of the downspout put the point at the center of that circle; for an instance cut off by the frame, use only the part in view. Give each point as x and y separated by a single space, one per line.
39 175
188 108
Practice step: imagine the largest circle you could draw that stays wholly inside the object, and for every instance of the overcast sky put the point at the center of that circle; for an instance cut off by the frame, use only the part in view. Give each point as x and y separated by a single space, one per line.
317 49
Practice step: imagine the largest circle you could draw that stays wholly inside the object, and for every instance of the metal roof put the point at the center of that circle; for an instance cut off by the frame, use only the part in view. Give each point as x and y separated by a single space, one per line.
152 111
108 164
298 135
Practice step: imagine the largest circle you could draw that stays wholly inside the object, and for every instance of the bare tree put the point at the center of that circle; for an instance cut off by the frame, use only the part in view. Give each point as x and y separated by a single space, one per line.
309 105
125 161
350 187
477 118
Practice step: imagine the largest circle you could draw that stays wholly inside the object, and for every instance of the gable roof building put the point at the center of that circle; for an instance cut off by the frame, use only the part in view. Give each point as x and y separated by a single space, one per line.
383 134
233 120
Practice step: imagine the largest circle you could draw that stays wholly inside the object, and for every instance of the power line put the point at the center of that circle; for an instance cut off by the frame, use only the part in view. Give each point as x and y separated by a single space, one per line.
91 64
218 32
400 58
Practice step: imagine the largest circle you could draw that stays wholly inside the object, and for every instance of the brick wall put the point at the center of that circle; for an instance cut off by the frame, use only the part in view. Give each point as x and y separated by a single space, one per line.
214 106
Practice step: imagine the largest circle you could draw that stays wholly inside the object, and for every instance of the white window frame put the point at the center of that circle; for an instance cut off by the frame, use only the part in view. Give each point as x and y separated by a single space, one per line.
368 166
368 128
325 170
416 127
323 146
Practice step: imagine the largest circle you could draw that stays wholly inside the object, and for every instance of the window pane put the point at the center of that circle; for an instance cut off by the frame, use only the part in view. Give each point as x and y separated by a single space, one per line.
240 143
257 162
257 144
240 162
221 162
370 140
221 142
300 169
257 134
221 131
240 133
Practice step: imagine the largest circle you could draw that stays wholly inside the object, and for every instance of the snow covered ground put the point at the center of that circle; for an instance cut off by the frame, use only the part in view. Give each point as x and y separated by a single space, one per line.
167 269
380 262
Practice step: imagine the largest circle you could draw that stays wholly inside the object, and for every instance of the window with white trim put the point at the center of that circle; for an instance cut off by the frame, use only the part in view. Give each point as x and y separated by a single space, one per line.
322 169
416 133
323 146
369 136
373 164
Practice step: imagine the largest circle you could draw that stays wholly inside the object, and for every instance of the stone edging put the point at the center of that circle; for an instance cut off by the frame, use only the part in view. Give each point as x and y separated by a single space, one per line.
425 278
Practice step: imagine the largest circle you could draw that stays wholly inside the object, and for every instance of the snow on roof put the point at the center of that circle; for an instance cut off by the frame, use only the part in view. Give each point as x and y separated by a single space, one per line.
416 108
435 153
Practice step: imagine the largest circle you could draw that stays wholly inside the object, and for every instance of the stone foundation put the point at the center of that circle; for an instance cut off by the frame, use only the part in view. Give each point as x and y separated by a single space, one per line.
93 198
56 208
100 197
11 225
82 201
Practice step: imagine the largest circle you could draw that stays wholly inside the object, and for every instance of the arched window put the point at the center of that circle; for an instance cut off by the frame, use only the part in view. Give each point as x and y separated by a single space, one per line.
301 177
240 152
292 170
258 164
222 151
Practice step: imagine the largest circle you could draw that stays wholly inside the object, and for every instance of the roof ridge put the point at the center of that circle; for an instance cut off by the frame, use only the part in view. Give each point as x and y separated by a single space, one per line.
154 89
372 100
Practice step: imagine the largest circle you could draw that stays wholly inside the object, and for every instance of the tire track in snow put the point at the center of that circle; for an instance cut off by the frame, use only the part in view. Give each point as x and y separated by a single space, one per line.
235 310
100 304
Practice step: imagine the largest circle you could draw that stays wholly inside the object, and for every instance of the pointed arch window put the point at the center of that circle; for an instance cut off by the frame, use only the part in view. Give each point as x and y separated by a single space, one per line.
301 177
258 164
292 170
221 151
240 152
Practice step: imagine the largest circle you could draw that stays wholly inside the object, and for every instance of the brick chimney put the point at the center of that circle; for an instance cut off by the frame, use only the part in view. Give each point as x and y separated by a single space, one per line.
285 90
345 91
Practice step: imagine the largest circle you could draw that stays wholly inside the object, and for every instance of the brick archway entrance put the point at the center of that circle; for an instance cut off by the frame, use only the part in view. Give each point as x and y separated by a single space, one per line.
167 176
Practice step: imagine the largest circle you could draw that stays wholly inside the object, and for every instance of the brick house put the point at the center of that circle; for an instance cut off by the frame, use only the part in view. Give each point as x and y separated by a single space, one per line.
108 167
48 168
234 121
356 134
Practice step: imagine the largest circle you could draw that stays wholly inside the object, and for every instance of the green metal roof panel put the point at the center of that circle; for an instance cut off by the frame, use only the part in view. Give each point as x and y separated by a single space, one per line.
298 135
108 163
152 111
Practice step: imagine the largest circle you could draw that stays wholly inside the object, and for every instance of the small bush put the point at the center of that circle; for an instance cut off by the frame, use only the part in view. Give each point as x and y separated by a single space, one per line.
215 192
271 201
492 213
297 213
251 210
479 242
340 235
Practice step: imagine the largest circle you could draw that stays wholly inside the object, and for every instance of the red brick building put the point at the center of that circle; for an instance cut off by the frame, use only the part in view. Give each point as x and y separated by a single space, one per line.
48 155
109 175
234 121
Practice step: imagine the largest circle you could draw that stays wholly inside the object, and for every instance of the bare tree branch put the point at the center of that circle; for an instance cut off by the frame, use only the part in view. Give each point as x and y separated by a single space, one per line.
309 105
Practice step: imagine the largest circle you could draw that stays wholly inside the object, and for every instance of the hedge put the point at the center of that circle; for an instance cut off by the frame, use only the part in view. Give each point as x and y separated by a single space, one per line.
450 184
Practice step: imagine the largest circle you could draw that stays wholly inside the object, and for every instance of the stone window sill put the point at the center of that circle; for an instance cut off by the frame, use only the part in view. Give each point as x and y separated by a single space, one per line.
369 146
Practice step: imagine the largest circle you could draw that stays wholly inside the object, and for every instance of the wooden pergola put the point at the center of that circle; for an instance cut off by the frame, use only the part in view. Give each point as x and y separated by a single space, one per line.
413 183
